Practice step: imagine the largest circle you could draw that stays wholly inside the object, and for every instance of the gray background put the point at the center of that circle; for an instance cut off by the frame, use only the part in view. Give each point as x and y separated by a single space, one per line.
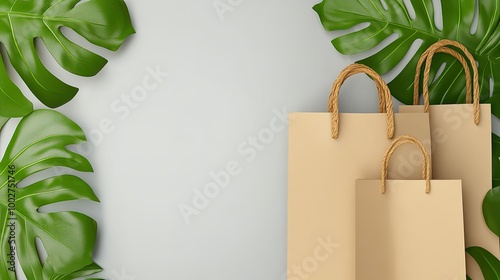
228 74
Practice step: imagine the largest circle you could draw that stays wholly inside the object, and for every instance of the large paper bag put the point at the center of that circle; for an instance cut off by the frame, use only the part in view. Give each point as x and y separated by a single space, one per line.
461 148
327 153
409 229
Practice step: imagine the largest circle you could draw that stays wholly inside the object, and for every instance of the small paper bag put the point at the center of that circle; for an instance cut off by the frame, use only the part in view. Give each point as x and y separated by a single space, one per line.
409 229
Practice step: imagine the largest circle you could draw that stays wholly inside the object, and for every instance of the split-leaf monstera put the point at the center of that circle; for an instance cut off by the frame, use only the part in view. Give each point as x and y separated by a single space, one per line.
491 210
489 264
105 23
39 143
395 18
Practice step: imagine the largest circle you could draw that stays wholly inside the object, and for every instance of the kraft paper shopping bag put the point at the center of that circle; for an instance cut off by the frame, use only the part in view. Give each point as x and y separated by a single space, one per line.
409 229
461 148
327 153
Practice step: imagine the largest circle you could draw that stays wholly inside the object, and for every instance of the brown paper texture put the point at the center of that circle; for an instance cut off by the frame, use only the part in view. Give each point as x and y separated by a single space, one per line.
406 234
321 184
462 150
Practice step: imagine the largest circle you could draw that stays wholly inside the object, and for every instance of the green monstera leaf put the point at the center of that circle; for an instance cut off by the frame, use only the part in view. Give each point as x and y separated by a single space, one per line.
416 25
495 154
39 143
105 23
489 264
85 271
491 210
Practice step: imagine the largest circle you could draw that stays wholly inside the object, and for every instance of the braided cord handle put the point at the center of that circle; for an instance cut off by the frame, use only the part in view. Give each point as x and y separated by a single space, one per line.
385 98
472 92
426 168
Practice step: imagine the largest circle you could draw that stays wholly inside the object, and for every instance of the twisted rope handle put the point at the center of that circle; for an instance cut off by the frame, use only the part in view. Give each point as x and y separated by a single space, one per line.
385 98
459 57
472 94
426 168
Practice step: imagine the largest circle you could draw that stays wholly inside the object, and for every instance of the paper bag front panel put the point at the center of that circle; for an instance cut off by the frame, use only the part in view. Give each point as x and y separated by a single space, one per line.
321 185
408 234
